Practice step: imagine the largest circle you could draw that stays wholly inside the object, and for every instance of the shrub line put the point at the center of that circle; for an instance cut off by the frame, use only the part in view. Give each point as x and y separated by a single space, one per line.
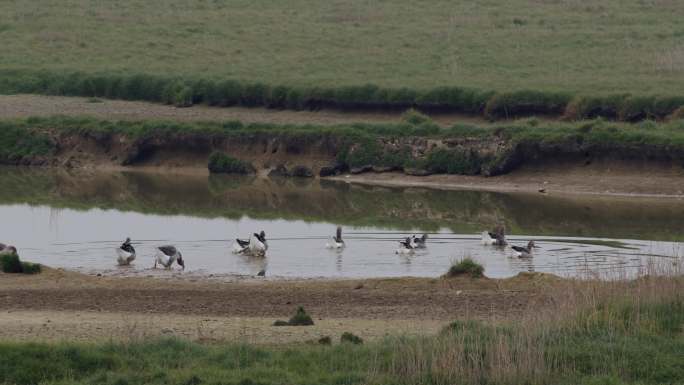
187 91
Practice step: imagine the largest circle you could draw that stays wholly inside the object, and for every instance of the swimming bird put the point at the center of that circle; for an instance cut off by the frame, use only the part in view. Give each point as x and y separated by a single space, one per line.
240 246
167 255
406 246
497 237
524 252
125 253
336 241
419 243
257 245
7 249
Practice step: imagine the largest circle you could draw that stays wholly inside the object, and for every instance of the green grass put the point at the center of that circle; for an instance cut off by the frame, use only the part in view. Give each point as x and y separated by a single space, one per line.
466 267
226 164
500 59
606 45
11 263
626 333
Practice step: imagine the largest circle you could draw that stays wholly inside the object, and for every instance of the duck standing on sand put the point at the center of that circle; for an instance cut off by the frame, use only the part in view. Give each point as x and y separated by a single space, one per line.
7 249
125 253
167 255
497 237
419 243
406 246
336 241
525 252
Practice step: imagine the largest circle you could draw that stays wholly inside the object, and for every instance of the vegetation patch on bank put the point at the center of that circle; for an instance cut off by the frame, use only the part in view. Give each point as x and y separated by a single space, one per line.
415 146
187 91
225 164
11 263
466 267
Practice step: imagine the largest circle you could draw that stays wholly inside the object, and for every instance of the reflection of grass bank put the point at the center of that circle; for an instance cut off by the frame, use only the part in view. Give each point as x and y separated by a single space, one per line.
340 203
585 332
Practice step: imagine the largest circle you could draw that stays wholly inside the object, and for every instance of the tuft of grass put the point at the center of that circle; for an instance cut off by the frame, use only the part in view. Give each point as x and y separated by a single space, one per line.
325 340
11 263
301 318
348 337
226 164
466 266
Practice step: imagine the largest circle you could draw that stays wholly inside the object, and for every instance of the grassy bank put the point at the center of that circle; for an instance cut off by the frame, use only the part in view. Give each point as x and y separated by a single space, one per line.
607 45
465 149
586 332
184 91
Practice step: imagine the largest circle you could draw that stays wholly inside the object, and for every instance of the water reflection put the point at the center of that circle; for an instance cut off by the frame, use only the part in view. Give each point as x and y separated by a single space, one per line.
76 219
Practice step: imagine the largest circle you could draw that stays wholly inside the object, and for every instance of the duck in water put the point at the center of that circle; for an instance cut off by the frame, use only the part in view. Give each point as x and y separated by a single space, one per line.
167 255
419 243
406 246
257 244
524 252
7 249
125 253
496 237
336 241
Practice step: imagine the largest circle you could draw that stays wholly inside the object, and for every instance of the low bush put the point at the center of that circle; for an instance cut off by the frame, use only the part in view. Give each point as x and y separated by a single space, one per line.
351 338
466 266
222 163
301 318
11 263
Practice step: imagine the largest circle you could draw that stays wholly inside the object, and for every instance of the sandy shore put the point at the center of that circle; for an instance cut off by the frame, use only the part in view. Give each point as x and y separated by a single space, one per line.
58 305
607 179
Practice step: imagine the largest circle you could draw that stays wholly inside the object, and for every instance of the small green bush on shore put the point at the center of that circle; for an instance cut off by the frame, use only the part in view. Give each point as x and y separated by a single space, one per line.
222 163
301 318
351 338
12 264
466 266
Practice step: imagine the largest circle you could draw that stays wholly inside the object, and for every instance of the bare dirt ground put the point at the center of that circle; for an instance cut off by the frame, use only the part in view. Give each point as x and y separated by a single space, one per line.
602 178
24 106
57 305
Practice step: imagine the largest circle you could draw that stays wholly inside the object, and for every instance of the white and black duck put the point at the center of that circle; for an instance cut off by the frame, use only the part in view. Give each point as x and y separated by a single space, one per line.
336 241
256 245
419 242
407 246
497 237
125 253
7 249
525 252
167 255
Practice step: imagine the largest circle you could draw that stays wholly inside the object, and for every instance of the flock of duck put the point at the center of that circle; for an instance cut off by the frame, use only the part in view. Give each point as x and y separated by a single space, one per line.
257 245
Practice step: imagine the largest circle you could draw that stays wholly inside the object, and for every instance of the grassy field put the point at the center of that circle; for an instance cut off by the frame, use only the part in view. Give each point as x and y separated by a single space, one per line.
589 332
606 46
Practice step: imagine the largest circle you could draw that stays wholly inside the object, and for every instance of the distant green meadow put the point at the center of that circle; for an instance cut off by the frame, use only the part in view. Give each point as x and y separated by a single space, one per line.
602 46
500 59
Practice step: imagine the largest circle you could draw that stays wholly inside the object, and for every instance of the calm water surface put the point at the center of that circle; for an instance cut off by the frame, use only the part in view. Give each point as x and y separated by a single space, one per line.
75 220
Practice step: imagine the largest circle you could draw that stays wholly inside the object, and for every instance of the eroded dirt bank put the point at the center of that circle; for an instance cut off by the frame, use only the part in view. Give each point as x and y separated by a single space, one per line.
59 304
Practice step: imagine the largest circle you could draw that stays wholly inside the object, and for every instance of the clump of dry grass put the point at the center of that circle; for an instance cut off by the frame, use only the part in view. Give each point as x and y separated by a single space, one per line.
577 328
